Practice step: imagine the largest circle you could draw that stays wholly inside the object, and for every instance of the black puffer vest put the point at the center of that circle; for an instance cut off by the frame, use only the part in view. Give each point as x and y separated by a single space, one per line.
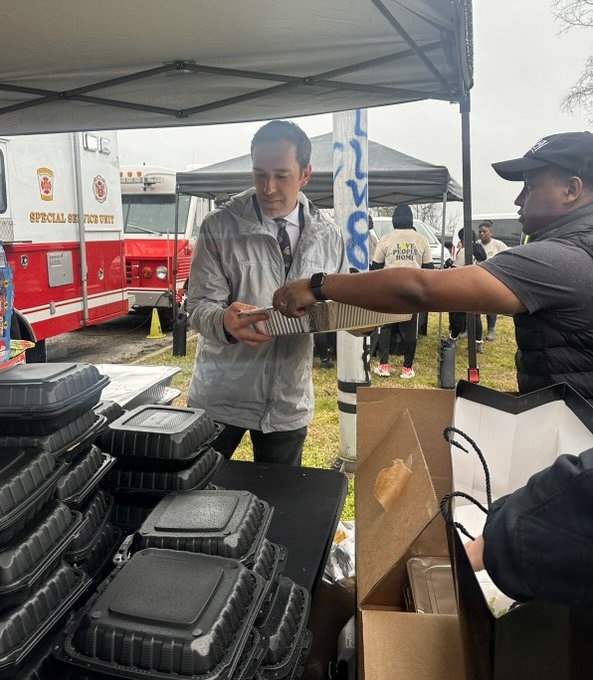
548 353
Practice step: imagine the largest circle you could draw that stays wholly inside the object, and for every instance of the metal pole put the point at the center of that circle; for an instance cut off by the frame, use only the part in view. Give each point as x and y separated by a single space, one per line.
351 213
179 318
84 270
473 373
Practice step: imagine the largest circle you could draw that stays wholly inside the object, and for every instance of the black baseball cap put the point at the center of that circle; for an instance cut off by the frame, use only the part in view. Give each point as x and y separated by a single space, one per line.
572 151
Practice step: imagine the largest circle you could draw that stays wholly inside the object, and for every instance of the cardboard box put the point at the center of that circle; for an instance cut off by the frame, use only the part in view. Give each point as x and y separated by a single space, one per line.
395 644
518 437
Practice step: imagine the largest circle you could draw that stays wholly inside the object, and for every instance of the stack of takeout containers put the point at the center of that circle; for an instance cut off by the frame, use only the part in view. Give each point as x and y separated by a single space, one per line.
168 614
202 596
159 449
47 426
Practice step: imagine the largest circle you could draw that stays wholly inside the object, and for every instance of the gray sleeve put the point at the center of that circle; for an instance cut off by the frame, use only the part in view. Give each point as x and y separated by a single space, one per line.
209 292
548 276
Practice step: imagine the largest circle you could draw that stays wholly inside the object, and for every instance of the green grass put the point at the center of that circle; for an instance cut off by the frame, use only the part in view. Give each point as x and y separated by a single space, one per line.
497 371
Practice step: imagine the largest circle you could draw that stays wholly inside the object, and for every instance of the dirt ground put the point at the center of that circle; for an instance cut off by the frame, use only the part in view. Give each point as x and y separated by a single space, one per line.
120 341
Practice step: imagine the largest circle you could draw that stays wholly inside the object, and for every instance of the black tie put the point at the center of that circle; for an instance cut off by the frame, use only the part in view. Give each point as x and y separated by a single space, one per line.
284 242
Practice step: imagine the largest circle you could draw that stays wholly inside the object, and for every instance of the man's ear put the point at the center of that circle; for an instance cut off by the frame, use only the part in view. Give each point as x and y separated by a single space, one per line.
574 188
306 175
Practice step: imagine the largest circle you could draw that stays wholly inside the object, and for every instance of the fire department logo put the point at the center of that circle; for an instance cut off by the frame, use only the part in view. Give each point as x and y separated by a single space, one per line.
100 189
45 177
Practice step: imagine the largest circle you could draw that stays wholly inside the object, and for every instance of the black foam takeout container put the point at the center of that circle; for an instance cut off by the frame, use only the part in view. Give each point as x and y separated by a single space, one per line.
28 478
161 482
23 627
69 442
157 436
224 523
167 612
38 399
35 552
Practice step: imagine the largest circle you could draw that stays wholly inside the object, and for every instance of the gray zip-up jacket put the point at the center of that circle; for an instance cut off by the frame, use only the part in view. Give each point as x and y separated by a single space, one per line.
267 388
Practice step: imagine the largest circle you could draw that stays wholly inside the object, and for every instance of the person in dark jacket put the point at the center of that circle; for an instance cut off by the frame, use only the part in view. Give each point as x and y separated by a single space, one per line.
546 284
538 541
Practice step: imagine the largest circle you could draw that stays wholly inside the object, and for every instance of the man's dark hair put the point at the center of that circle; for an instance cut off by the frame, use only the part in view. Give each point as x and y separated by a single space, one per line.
284 130
402 217
370 222
564 174
486 223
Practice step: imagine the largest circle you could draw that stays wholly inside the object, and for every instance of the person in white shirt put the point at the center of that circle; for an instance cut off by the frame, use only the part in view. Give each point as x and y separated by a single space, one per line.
491 246
403 247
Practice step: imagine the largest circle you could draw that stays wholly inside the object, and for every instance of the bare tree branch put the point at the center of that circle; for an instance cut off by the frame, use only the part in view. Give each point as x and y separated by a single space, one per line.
571 13
580 95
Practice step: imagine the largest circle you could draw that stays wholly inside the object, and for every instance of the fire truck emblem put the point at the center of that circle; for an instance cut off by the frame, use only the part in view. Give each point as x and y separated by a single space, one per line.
24 261
100 189
45 177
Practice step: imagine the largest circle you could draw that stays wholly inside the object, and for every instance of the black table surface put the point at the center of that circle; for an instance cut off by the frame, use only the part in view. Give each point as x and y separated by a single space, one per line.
307 506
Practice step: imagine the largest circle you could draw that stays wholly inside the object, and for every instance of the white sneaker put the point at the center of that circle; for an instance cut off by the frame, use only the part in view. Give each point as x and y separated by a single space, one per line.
382 370
407 373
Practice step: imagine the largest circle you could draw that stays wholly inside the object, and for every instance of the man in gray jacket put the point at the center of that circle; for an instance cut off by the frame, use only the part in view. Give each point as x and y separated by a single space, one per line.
247 248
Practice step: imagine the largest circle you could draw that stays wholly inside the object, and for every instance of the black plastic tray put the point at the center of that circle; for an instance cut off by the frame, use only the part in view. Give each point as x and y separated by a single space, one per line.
98 562
94 517
30 557
28 478
71 440
196 476
23 627
159 434
224 523
111 410
269 563
38 399
284 627
131 509
83 477
154 604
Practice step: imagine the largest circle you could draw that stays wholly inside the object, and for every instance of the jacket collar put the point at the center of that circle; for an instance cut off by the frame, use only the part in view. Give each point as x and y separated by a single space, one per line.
575 222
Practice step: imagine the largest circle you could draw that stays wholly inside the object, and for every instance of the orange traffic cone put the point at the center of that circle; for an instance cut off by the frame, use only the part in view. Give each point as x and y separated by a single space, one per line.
156 332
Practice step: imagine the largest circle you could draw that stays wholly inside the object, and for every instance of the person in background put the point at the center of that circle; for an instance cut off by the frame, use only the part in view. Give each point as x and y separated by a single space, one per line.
546 285
458 320
373 239
249 246
403 247
491 246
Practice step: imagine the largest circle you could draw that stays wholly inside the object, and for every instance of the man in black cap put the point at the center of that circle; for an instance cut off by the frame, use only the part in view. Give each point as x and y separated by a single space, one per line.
546 284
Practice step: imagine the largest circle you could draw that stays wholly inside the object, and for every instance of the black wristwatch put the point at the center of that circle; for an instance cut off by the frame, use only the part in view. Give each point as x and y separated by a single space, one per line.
315 284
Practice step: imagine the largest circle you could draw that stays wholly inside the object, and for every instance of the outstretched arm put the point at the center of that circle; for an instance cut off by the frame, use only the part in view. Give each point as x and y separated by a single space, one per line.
467 289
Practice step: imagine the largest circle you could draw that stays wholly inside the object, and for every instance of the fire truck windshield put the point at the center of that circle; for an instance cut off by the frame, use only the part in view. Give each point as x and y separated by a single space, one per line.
145 214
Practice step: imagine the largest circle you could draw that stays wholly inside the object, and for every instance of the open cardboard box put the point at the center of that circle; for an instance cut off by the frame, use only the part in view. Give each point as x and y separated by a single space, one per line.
396 644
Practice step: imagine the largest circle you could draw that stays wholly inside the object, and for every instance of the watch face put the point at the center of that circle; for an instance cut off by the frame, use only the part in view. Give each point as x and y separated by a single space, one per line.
317 280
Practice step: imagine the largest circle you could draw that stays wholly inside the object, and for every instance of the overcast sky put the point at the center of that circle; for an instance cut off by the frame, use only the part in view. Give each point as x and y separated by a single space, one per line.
523 67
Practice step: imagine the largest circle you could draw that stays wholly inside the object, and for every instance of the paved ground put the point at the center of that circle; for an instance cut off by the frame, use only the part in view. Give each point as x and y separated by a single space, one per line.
120 341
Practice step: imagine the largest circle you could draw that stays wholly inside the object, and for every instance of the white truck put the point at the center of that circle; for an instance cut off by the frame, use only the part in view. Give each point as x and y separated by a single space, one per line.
61 229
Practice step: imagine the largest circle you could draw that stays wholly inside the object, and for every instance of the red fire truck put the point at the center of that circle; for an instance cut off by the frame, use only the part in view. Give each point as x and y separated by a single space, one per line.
61 228
149 205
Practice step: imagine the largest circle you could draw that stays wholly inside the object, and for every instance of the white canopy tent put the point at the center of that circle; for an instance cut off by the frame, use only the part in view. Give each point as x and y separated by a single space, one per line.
74 65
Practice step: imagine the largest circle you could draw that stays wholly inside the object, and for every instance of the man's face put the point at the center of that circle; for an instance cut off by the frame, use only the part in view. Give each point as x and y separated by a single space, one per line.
542 199
278 177
485 234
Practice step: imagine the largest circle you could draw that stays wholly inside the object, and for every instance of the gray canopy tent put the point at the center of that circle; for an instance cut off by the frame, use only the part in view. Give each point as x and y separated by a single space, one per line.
394 177
72 65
